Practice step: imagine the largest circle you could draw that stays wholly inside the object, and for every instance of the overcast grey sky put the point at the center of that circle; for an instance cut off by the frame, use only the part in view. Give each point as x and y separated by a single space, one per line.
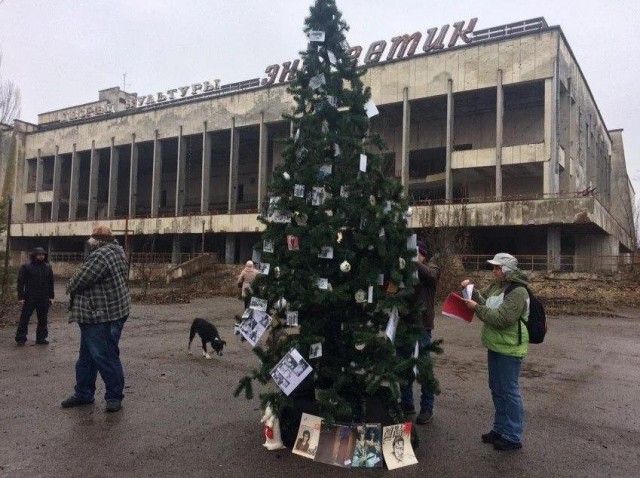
61 52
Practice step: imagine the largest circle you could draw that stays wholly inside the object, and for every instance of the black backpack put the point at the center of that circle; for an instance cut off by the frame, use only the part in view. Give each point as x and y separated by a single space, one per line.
537 323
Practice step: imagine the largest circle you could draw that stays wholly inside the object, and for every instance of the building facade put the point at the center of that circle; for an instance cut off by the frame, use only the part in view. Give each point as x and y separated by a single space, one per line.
500 135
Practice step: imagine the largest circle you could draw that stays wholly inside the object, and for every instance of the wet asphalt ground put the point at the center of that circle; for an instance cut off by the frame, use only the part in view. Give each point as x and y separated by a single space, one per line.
179 418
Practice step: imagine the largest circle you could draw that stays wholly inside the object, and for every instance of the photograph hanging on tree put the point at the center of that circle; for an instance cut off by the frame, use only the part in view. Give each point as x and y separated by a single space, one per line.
254 325
291 371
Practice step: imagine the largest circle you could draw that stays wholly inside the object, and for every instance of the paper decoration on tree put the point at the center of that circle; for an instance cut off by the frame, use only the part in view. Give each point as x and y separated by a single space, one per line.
416 354
412 243
336 445
286 176
345 45
298 190
370 294
371 109
368 450
317 81
325 127
382 233
322 284
256 256
276 272
396 446
292 318
265 268
402 263
336 149
317 196
267 246
254 326
315 350
276 215
380 279
293 243
281 303
316 36
258 304
392 325
301 153
387 206
326 252
344 191
332 57
296 136
332 101
308 435
290 371
455 306
301 218
325 171
363 163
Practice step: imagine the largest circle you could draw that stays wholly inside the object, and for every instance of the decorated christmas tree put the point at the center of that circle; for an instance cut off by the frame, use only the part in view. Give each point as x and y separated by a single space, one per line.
337 254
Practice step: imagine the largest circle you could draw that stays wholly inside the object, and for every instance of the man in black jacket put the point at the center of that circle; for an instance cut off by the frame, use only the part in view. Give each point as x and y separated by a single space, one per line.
425 294
35 292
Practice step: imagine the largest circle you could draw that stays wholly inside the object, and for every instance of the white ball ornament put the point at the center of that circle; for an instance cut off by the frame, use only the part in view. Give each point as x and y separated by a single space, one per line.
286 176
409 212
345 267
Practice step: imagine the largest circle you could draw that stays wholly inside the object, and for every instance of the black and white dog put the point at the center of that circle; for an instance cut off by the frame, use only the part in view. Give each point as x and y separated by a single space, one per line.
208 333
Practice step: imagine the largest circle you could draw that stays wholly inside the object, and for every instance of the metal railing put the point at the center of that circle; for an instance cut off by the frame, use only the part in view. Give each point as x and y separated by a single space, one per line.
564 263
136 257
510 198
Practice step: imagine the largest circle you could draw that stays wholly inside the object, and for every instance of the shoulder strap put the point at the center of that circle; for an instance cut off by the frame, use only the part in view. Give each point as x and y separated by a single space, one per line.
512 286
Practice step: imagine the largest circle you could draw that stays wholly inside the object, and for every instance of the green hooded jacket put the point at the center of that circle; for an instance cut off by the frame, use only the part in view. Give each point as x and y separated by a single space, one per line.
500 315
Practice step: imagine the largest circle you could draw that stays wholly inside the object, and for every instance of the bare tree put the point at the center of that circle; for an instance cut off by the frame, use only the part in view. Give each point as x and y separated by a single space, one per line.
9 98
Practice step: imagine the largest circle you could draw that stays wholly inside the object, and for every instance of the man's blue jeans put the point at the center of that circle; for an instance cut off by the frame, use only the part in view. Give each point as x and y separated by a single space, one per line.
99 352
504 372
427 399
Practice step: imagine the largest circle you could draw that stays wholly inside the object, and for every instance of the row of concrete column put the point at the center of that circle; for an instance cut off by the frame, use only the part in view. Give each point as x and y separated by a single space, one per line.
551 183
156 175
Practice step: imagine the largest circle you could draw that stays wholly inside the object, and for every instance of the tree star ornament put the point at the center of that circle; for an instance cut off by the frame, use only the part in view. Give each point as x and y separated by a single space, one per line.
345 267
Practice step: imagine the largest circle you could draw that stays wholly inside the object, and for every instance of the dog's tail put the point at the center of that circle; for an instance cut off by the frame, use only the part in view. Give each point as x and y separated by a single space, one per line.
192 334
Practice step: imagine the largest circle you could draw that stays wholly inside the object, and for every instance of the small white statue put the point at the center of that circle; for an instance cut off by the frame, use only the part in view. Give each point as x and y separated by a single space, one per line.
273 440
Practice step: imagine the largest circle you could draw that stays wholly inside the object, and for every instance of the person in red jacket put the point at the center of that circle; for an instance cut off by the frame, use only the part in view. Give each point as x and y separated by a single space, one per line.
35 293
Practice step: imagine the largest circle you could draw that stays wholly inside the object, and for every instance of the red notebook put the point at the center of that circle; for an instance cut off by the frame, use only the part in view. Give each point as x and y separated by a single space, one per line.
454 306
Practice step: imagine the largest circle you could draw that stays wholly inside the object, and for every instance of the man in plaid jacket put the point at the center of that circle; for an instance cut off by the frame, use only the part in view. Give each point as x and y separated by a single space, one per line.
100 305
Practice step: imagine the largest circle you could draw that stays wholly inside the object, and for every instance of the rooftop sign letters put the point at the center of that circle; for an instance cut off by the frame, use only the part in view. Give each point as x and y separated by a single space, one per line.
399 47
174 94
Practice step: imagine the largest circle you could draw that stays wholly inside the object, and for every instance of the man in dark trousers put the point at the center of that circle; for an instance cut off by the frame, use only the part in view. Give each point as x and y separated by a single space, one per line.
100 305
35 292
425 290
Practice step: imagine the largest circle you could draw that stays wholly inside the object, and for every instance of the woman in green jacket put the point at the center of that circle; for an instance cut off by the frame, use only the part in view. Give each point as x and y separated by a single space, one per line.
503 307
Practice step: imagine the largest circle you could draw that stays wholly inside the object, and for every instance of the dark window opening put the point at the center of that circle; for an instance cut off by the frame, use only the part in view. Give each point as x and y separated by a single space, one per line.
425 162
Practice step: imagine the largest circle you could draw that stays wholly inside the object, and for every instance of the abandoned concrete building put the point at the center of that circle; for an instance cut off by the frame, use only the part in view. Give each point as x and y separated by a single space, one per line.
500 135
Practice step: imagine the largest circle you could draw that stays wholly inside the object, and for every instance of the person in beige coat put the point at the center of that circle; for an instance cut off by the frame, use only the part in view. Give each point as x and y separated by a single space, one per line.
245 279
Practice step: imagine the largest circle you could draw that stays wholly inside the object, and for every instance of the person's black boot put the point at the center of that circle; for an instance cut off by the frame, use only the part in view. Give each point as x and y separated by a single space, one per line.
113 406
490 437
42 342
506 445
